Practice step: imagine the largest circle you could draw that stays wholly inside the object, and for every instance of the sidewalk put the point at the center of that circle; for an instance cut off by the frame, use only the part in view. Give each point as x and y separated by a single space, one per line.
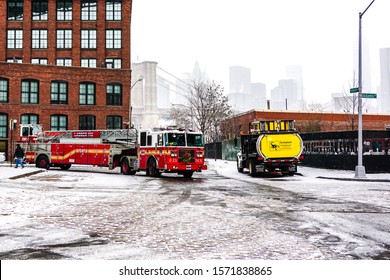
8 172
228 168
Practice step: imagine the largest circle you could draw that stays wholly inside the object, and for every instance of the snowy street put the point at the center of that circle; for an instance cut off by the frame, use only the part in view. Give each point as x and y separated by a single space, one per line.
93 213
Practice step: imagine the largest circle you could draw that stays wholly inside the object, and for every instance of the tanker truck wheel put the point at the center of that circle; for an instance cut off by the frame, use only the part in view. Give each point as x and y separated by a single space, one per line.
239 169
252 168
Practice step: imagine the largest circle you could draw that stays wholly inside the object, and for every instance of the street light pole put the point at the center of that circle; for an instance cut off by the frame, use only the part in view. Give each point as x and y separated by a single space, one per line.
360 171
140 79
12 124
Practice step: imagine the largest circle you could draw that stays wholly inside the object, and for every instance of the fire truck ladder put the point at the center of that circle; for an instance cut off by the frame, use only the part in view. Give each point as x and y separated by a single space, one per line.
124 136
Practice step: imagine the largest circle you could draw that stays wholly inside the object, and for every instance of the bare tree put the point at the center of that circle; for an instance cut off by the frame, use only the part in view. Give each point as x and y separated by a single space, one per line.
206 107
349 104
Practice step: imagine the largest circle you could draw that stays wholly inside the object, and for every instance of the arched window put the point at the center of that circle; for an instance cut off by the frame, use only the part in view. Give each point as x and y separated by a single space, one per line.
59 92
3 125
3 90
29 119
87 93
114 94
58 122
114 122
30 92
87 122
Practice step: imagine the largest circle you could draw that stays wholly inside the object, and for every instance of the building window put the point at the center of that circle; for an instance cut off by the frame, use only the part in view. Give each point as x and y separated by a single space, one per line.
114 10
39 39
64 9
29 119
30 92
39 61
113 39
3 90
15 60
88 62
87 94
64 61
114 122
115 63
87 122
64 38
114 94
59 92
39 10
15 10
14 38
88 39
58 122
3 125
88 9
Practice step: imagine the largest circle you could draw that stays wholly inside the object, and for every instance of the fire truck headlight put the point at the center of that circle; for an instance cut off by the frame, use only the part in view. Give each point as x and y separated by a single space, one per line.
199 154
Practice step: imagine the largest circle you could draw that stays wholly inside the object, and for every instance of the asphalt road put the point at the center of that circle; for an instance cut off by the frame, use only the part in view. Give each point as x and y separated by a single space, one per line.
77 214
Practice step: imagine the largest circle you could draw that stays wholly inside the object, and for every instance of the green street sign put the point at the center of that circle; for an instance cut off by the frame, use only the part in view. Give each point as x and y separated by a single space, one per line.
369 95
353 90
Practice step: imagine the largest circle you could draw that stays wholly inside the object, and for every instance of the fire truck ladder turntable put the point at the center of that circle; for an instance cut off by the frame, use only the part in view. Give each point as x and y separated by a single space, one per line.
120 136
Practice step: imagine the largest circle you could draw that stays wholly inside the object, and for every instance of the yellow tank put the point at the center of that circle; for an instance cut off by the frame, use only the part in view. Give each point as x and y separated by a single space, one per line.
279 146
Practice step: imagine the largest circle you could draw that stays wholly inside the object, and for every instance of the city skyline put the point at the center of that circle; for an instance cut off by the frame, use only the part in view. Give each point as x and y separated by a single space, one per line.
321 36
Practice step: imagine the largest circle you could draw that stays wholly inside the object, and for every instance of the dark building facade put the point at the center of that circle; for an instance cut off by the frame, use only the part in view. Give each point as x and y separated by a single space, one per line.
64 64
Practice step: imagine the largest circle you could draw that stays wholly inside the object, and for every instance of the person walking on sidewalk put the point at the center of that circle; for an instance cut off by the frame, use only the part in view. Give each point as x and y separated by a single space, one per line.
19 154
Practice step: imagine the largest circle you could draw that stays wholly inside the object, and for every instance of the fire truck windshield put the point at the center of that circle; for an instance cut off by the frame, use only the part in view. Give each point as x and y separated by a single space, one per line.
179 139
176 139
194 140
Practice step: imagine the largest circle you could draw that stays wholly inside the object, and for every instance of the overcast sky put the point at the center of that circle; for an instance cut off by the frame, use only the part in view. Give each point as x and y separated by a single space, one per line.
266 36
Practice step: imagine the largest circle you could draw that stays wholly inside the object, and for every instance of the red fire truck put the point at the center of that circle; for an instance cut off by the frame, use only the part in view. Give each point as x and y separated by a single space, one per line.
110 148
171 150
152 150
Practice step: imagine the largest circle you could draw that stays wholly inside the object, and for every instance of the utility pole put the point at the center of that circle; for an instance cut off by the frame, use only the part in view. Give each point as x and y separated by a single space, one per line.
360 170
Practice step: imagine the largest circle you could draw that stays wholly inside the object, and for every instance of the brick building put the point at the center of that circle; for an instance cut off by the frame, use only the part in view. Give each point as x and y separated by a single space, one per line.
304 121
64 64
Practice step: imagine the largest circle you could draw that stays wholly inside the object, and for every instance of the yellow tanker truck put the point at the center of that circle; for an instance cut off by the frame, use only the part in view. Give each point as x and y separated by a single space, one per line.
271 147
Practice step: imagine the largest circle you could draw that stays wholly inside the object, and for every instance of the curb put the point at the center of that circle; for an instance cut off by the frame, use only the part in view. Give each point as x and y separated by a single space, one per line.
355 179
25 175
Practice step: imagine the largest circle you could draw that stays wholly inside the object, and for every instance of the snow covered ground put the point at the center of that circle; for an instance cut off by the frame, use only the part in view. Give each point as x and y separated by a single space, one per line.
355 214
227 168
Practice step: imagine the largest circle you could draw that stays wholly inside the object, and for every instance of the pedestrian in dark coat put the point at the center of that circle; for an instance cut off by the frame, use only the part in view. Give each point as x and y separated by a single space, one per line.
19 155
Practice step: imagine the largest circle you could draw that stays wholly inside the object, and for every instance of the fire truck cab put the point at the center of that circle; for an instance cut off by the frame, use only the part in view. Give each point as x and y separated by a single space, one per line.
171 150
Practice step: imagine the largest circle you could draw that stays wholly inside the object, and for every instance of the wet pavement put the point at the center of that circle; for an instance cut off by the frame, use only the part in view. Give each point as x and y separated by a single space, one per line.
84 214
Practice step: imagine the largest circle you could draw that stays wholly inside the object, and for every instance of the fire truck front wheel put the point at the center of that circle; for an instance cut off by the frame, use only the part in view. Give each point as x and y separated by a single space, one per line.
151 168
43 162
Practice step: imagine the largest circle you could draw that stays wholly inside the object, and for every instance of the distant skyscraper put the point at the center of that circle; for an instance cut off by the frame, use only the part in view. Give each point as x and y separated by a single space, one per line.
259 96
384 95
284 97
295 72
240 88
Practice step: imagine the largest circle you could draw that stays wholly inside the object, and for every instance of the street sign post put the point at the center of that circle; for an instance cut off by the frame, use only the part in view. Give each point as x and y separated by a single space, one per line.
354 90
368 95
